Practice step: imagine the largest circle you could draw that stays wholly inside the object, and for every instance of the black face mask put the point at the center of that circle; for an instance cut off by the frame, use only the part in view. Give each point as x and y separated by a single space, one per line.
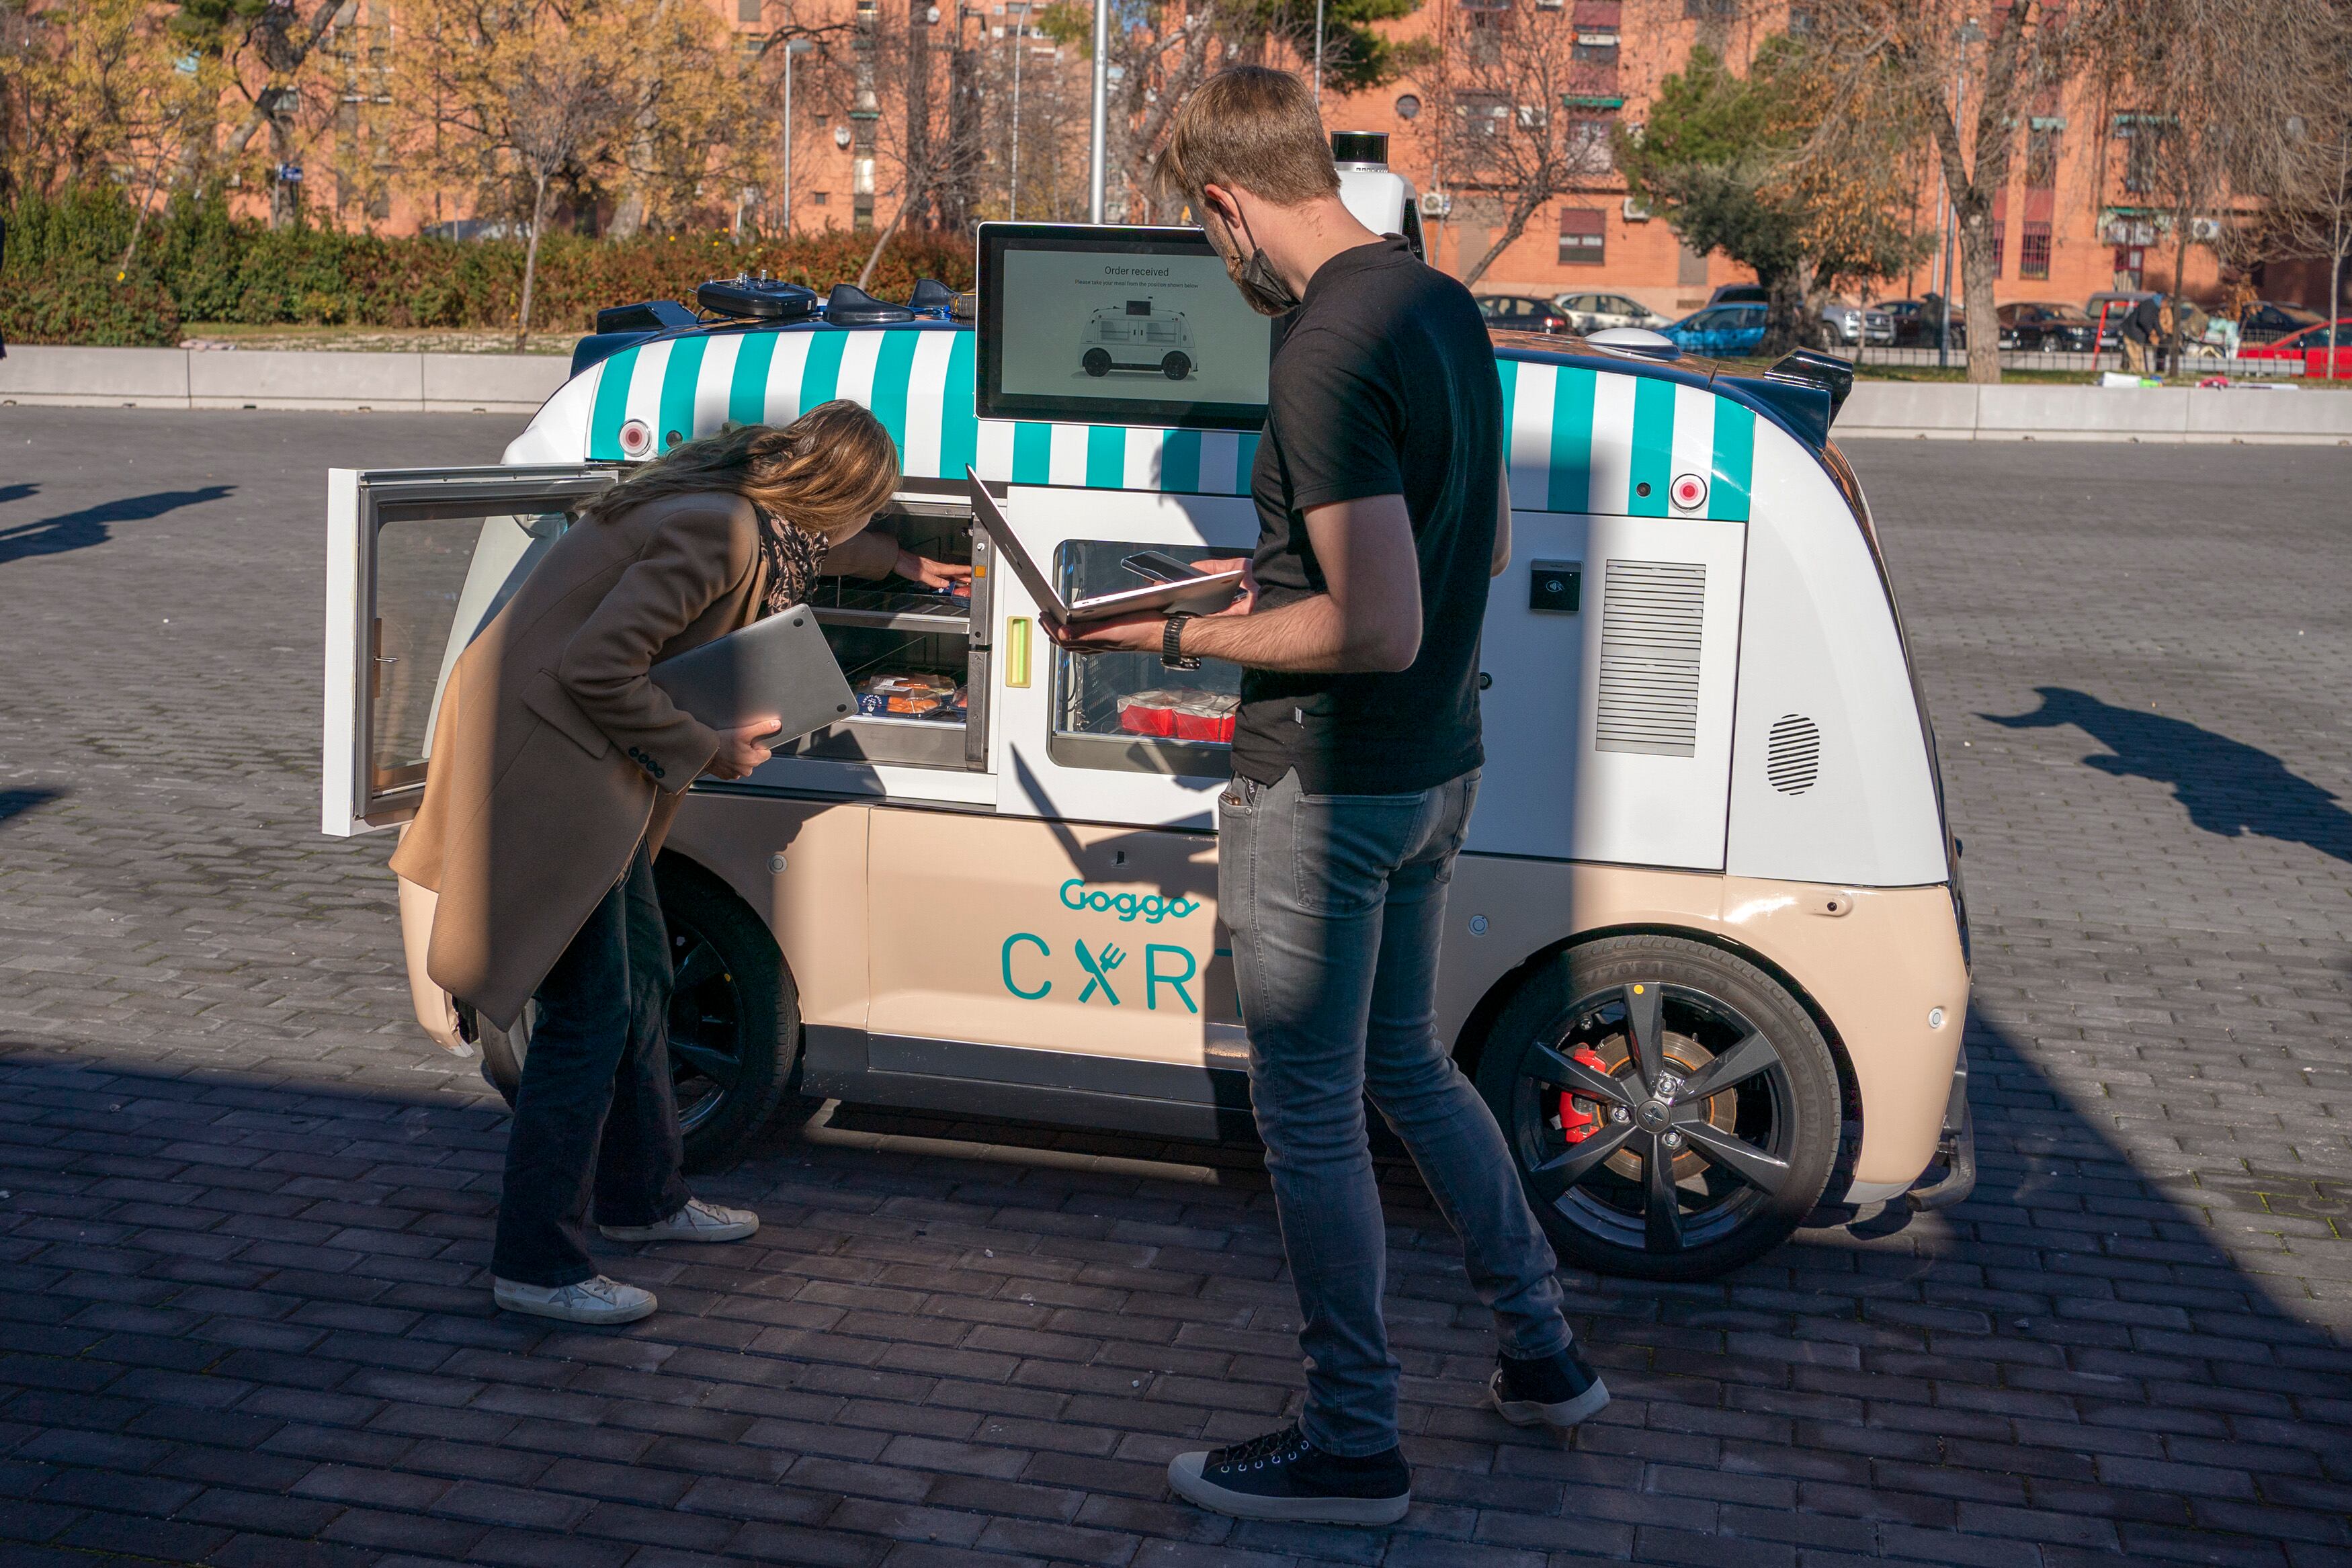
1260 284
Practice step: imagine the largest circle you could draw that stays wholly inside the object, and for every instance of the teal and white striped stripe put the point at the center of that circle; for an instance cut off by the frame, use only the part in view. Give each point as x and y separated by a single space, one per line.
1580 439
1583 441
918 383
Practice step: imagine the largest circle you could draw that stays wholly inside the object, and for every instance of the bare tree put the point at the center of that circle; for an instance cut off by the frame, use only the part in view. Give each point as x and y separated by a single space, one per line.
526 95
1961 78
2315 218
1514 115
2219 131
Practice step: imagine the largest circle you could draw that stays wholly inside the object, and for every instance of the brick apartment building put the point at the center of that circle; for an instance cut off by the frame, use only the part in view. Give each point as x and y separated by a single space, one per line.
2072 223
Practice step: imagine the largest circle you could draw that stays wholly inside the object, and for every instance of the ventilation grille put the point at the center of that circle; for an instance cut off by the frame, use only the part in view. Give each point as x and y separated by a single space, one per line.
1650 619
1792 757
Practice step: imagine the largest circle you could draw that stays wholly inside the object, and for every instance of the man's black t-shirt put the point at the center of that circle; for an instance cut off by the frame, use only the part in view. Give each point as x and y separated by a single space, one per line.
1385 385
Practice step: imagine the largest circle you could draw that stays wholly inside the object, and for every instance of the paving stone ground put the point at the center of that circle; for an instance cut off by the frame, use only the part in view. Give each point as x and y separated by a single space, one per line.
245 1211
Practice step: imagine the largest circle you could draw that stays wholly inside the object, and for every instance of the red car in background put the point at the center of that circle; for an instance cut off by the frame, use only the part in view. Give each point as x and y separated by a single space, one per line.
2310 345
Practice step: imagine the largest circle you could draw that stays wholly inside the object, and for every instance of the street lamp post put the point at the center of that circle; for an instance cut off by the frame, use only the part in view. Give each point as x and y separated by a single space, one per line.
1020 49
1096 152
792 46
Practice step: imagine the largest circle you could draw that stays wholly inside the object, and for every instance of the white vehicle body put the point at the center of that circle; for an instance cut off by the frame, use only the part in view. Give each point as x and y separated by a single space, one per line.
1700 723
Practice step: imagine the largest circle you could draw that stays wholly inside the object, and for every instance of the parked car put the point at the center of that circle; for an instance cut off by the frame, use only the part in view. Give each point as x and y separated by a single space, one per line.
2044 326
2310 345
1599 312
2268 320
1720 331
1840 322
1858 324
1917 323
1523 313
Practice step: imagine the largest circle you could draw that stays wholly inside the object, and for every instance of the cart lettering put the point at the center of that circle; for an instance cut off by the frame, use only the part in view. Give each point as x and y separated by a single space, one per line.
1153 980
1043 952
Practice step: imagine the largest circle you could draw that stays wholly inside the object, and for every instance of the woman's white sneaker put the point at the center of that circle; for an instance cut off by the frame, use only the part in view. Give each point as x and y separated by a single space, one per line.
594 1300
698 1221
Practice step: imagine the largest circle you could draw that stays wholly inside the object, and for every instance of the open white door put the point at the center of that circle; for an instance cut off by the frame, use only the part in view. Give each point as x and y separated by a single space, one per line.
418 560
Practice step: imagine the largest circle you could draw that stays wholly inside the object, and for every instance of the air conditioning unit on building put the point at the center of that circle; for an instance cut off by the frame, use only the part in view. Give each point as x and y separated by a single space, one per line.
2205 229
1436 205
1637 211
1551 4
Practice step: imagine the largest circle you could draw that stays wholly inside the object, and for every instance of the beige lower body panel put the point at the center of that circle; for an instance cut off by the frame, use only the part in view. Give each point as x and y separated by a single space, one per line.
1096 941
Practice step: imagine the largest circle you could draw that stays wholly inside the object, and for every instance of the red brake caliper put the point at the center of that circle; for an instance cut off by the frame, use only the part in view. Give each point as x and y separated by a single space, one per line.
1580 1118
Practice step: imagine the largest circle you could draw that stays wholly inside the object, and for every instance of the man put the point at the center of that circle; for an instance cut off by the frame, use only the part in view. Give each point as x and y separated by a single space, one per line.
1379 485
2143 330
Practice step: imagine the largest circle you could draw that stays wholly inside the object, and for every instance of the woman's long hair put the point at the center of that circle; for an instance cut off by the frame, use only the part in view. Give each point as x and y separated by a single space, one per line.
827 472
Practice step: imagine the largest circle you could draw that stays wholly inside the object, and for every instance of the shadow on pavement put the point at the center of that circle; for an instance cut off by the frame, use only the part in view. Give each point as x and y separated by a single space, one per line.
15 803
79 531
2228 787
276 1287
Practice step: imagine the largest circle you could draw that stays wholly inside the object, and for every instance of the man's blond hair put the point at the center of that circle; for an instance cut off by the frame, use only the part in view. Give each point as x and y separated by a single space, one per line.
1249 128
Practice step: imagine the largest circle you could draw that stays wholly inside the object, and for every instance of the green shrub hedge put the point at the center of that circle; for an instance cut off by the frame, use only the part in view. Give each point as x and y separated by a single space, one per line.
62 283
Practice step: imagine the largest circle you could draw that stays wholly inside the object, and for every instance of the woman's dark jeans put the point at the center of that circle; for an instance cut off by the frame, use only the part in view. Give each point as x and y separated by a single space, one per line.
595 1106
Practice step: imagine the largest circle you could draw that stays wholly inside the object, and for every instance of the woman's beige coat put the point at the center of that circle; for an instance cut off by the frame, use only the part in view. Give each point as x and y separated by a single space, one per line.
554 753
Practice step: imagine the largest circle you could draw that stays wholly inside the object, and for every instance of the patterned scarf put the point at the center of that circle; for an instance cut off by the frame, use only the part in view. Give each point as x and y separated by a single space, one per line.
795 557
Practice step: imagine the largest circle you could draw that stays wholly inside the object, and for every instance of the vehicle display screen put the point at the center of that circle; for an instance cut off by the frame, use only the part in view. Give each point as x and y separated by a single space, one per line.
1107 325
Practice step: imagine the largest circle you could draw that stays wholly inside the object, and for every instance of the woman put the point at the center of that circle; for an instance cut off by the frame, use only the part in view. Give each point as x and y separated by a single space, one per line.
557 767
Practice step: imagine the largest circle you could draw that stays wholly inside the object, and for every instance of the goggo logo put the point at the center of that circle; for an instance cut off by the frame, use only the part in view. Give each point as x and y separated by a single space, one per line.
1128 906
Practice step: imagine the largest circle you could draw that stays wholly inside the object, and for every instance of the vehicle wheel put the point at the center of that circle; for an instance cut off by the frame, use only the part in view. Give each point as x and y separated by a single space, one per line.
1097 361
1671 1111
734 1014
1176 366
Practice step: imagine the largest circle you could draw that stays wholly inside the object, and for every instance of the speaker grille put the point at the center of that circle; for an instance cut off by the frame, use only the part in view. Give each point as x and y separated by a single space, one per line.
1652 611
1792 754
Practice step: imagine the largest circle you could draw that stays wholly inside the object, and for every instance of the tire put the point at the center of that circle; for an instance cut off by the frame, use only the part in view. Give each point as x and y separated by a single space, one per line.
1755 1153
1176 367
734 1019
1097 361
734 1014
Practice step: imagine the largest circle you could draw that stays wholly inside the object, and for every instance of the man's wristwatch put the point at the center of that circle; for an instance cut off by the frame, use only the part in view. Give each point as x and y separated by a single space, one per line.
1171 645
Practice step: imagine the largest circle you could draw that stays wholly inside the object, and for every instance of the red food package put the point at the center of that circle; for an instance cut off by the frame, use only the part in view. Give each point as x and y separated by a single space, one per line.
1149 712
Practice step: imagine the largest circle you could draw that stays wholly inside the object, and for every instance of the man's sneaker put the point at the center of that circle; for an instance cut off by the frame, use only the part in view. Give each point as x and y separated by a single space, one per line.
596 1301
698 1221
1281 1475
1553 1391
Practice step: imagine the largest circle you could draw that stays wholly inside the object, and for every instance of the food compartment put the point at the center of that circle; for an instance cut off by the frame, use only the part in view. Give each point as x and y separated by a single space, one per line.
907 650
1128 711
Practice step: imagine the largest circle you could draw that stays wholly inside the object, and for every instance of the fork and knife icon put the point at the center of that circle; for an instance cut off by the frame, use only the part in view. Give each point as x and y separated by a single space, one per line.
1098 967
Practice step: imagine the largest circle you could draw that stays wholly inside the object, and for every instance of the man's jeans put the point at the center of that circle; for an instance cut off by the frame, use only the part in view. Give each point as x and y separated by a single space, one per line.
595 1098
1336 904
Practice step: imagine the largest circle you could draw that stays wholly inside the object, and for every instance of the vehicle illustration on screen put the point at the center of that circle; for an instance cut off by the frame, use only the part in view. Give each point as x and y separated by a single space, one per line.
1136 338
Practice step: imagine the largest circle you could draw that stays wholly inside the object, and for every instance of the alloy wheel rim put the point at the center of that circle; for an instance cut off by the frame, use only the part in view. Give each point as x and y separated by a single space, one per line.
1653 1115
706 1049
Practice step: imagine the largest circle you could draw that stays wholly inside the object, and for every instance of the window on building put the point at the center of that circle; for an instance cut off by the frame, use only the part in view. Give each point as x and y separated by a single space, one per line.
1583 237
1482 113
1590 148
2042 158
1595 48
2000 233
2033 250
747 10
1710 9
2140 134
821 198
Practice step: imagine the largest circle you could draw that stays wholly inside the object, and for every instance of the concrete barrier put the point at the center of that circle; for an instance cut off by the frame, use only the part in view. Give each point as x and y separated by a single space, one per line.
270 378
129 378
1943 410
